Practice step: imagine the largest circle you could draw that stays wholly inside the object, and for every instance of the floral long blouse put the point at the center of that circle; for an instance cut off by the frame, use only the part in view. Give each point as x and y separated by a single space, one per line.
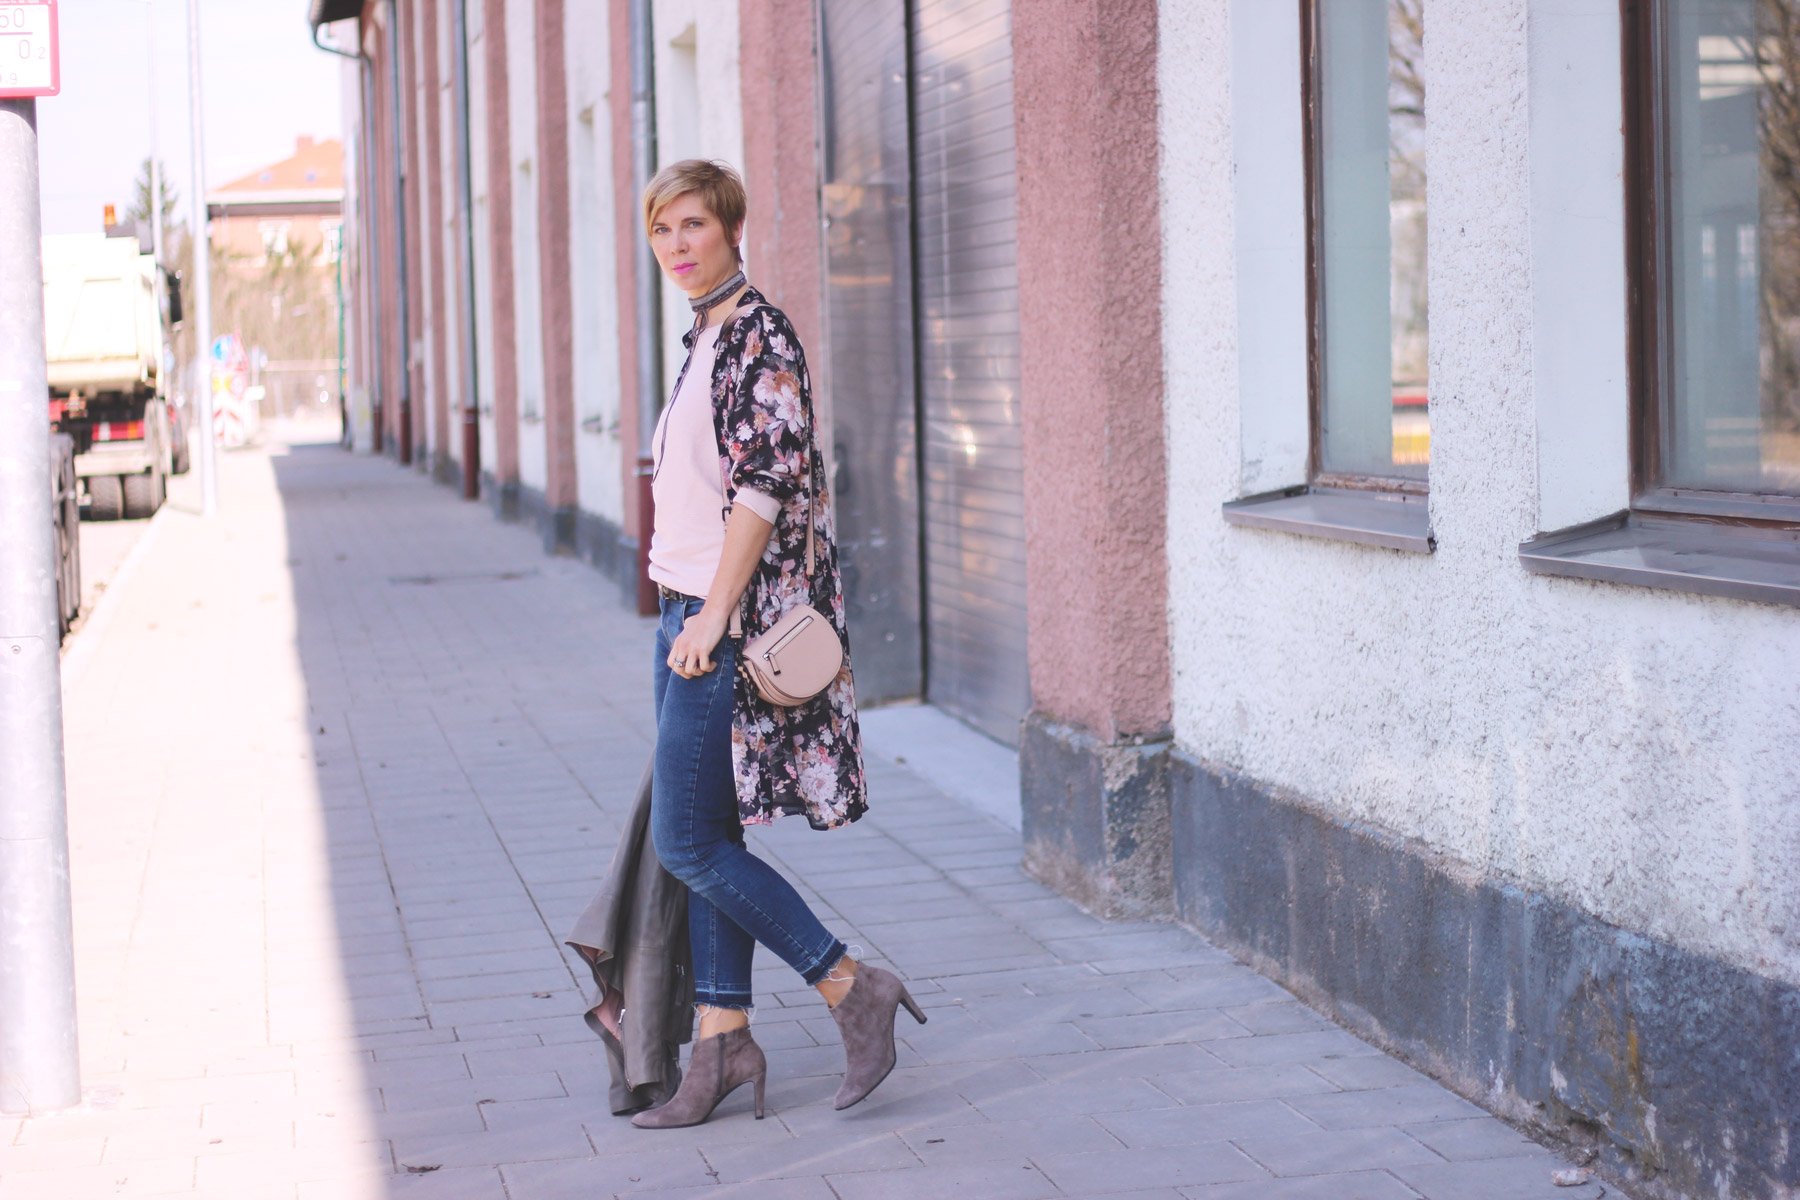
806 759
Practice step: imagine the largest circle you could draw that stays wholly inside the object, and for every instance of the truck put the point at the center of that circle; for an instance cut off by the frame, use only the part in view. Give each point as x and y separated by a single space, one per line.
106 326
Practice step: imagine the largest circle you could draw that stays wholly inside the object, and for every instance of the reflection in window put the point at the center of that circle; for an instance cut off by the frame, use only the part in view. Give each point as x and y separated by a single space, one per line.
1369 237
1729 151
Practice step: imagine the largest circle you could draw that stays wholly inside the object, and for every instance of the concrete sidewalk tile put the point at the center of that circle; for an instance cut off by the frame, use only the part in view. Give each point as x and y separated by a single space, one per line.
758 1189
553 977
882 1151
1476 1138
1523 1178
1369 1072
1216 987
1386 1106
505 962
1280 1016
1217 1084
606 1175
536 1086
1129 1170
1357 1185
1161 1028
975 1042
504 1008
445 1183
1138 1062
459 1047
517 1144
988 1181
585 1058
938 1145
49 1156
1051 1100
1325 1152
1205 1123
67 1183
322 1130
1290 1047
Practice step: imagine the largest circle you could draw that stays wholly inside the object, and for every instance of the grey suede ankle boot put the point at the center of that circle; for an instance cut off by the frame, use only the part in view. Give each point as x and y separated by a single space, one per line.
865 1017
719 1065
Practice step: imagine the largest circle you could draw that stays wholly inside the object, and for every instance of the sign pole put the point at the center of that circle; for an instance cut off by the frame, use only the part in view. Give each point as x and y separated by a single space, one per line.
39 1062
201 314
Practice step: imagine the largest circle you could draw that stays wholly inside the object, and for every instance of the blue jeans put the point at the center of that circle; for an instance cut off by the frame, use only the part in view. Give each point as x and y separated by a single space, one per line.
734 898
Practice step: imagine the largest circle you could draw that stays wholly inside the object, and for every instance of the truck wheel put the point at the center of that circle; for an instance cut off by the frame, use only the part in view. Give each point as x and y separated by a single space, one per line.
66 505
106 497
143 495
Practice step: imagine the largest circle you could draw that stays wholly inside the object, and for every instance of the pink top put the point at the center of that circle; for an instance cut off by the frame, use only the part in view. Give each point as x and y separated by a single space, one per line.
689 490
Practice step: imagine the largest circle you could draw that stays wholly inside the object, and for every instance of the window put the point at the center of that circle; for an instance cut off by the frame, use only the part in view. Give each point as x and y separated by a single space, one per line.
1366 132
1712 203
1716 177
1359 316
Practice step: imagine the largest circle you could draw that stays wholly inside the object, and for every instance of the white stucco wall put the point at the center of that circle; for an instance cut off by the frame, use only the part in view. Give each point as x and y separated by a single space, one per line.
699 114
593 276
528 300
1629 750
481 163
423 188
450 232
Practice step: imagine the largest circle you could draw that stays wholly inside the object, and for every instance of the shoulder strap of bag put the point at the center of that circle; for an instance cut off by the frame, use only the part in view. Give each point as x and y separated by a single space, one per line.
736 628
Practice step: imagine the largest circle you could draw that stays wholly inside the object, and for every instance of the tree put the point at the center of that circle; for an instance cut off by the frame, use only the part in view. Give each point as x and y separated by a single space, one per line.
140 202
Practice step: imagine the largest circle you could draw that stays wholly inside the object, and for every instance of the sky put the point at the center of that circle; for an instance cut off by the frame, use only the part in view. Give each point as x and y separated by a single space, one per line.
264 84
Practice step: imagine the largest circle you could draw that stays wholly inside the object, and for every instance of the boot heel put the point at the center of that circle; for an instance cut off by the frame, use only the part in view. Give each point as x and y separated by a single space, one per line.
761 1078
912 1006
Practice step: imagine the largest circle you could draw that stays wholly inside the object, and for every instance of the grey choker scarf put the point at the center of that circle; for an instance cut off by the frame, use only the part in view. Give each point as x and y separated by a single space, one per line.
702 304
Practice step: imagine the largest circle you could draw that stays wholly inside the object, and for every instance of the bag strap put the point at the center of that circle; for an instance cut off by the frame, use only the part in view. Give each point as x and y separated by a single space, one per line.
736 628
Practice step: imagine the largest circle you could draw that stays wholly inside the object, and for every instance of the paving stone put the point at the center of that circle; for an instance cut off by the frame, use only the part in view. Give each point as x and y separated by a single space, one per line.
1309 1048
1481 1137
1355 1185
1217 1085
1205 1123
1522 1178
1386 1106
938 1145
812 1156
1162 1028
761 1189
989 1181
1126 1170
1323 1152
524 1143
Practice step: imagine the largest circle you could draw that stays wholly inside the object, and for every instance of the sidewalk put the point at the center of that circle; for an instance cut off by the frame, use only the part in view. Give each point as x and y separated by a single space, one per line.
345 764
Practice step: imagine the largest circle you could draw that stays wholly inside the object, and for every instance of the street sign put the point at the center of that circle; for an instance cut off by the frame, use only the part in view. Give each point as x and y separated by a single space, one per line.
29 63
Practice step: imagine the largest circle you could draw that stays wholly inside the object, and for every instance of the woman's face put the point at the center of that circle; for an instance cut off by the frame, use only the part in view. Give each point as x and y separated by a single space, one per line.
693 246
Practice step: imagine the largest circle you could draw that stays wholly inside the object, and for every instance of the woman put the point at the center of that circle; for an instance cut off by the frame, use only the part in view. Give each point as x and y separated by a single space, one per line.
736 441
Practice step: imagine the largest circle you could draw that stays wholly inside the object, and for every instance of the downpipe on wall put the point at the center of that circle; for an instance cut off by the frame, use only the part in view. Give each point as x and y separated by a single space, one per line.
402 315
648 297
471 407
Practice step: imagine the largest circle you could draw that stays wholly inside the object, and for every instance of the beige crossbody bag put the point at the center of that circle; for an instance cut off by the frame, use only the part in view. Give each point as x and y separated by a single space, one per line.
798 656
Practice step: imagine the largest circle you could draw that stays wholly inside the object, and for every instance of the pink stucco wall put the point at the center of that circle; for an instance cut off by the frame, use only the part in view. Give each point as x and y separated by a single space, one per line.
781 168
500 226
1085 102
553 251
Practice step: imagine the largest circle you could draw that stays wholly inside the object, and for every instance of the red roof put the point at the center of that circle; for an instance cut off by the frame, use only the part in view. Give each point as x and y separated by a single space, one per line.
313 165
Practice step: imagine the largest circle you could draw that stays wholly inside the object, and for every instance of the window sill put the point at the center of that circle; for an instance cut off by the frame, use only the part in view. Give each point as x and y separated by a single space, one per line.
1395 520
1688 556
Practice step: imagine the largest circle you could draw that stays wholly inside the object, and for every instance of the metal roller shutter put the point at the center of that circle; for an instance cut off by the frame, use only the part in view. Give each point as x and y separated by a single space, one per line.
965 259
922 349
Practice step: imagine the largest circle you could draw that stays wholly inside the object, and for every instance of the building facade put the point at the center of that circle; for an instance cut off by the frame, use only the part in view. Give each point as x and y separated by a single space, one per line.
1350 448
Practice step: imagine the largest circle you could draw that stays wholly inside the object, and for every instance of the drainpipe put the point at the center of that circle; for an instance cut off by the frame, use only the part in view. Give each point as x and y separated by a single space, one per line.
471 428
400 273
649 307
371 260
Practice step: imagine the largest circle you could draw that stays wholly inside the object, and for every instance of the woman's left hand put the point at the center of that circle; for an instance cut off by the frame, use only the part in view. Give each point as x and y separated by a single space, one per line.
692 654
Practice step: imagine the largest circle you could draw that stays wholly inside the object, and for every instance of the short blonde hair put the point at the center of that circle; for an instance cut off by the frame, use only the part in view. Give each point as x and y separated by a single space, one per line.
720 188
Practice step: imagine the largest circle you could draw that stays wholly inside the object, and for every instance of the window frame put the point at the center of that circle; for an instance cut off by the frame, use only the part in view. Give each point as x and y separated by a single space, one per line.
1648 255
1311 122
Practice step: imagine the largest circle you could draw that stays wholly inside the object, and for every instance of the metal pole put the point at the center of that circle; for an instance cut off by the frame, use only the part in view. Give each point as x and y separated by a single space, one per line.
202 301
39 1064
401 275
649 275
471 409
